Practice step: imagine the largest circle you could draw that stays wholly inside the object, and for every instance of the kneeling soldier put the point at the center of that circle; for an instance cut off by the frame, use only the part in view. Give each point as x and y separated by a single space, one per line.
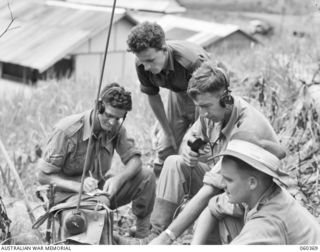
63 163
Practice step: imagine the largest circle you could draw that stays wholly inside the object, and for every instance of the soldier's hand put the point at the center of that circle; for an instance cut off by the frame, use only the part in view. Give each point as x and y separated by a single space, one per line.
190 157
90 184
111 186
162 239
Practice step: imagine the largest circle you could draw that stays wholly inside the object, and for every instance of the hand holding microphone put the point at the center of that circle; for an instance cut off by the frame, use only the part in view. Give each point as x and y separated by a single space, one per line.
191 155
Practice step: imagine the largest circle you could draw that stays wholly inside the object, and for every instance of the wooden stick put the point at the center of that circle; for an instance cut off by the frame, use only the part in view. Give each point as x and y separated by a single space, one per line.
5 181
18 180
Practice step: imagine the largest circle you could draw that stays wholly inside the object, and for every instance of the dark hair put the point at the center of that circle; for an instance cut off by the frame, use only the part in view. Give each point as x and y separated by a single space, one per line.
207 78
116 96
145 35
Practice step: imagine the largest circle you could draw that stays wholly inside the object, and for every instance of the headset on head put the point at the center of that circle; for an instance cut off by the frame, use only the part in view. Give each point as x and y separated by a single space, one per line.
226 98
101 107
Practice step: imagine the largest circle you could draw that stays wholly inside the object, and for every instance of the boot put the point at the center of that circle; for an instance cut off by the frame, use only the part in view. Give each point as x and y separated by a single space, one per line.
142 227
161 217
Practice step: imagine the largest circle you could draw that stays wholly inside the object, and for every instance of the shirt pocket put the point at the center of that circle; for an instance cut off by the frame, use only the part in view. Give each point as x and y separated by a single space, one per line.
75 163
74 166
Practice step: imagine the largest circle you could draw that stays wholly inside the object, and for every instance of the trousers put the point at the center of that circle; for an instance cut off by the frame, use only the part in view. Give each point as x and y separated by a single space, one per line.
181 114
140 190
228 228
177 179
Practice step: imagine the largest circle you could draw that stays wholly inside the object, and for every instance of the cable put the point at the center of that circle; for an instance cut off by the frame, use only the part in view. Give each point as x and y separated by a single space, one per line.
90 145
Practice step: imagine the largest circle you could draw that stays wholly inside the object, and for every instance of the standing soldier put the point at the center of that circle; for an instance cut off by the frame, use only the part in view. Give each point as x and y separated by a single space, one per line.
167 64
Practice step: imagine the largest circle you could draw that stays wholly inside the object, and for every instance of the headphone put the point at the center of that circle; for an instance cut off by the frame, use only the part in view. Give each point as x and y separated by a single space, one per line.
113 87
226 98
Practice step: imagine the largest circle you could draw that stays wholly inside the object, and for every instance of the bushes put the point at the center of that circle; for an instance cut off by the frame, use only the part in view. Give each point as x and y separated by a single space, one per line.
26 121
269 76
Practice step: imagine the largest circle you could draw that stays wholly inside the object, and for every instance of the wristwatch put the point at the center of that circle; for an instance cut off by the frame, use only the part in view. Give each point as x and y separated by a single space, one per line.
171 235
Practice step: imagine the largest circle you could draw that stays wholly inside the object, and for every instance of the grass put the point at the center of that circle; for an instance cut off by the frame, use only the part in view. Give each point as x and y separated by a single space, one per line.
269 76
26 121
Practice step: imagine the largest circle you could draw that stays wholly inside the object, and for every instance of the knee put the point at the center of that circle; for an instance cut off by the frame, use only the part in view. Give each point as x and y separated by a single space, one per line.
166 152
173 163
148 175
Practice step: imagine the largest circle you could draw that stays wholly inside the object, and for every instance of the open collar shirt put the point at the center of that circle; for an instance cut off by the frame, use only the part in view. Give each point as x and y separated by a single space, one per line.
278 219
65 150
183 58
244 117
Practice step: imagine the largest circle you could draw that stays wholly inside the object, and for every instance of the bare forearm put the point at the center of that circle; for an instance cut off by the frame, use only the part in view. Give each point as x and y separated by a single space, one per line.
192 210
132 168
187 216
62 182
157 107
205 224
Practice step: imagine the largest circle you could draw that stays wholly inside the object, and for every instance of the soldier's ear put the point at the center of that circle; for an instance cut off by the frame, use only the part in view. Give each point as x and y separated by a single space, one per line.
252 183
228 107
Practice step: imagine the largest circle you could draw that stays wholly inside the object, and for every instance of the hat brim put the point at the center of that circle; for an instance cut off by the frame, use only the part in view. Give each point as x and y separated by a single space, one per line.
256 164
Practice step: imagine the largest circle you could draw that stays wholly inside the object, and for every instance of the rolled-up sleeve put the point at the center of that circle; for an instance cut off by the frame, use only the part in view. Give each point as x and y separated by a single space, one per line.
55 153
197 63
213 177
126 147
220 206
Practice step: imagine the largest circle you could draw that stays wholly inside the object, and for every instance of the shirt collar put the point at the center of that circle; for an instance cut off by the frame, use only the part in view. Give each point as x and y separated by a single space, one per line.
272 191
105 139
86 125
227 129
169 60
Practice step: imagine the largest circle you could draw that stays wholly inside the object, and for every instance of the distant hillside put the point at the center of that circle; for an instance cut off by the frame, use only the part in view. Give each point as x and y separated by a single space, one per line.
269 6
285 16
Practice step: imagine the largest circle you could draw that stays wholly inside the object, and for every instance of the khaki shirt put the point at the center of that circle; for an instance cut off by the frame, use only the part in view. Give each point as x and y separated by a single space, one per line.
65 150
278 219
244 117
183 58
